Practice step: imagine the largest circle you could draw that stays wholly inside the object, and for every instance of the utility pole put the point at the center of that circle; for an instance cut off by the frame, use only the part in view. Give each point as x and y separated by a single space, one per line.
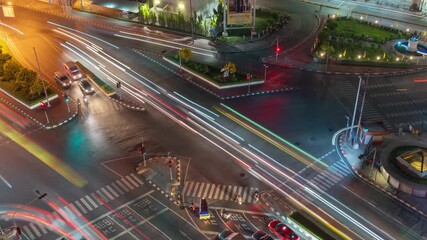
224 6
41 78
363 105
354 112
191 19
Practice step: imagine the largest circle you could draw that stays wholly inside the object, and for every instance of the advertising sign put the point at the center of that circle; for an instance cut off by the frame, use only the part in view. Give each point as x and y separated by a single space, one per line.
239 12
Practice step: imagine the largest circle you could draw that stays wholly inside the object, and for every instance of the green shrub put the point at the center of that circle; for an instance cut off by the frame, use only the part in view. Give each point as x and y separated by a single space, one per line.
10 69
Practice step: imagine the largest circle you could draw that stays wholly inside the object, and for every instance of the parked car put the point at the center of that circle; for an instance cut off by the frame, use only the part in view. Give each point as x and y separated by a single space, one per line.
72 70
230 235
62 79
261 235
86 87
282 231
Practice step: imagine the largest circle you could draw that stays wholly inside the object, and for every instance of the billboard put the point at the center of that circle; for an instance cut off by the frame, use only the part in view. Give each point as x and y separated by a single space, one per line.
239 12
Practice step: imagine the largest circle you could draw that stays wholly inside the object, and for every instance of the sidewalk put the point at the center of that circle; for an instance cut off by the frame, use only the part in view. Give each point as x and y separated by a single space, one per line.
371 174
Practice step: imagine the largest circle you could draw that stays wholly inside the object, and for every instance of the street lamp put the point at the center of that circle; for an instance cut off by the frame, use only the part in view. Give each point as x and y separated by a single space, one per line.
361 108
40 72
181 6
354 112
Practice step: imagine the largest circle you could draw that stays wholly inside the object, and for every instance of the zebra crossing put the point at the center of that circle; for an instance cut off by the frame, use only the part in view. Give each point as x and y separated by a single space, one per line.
86 204
328 178
218 191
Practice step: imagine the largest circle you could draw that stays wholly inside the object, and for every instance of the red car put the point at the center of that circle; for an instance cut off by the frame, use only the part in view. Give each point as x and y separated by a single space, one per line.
282 231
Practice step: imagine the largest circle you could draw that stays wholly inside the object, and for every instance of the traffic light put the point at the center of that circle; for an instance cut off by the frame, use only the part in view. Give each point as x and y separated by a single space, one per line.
277 49
66 98
170 163
248 77
43 106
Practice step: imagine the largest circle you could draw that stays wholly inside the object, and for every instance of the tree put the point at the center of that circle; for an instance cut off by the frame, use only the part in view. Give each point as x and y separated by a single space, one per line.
185 54
4 57
24 80
36 88
10 69
231 68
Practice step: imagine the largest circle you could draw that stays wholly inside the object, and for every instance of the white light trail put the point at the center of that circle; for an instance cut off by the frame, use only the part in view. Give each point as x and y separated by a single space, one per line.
74 30
161 44
167 41
14 29
194 103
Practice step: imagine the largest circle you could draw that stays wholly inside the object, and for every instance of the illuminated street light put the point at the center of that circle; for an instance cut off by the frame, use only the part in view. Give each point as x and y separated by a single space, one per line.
181 6
376 21
340 55
156 2
359 56
378 57
361 18
407 29
397 59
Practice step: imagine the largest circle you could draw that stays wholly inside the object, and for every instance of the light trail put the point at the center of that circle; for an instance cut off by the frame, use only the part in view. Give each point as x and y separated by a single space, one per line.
74 30
268 139
275 135
10 27
40 153
161 44
167 41
198 105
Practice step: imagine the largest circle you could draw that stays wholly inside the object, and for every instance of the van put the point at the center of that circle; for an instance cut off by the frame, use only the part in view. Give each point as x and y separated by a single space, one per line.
72 70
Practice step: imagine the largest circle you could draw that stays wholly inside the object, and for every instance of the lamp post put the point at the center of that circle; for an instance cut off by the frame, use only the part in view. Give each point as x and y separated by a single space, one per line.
40 73
373 162
191 18
265 72
354 112
361 107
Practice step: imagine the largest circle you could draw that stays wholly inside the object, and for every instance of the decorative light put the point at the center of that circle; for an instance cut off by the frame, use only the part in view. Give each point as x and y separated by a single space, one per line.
378 57
376 21
181 6
340 55
359 56
397 59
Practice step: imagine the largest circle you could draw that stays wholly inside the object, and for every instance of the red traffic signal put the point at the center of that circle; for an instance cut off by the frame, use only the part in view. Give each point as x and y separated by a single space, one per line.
170 163
248 77
277 49
43 106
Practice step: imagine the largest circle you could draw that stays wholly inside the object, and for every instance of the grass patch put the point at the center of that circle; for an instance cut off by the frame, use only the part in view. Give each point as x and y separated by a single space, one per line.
310 226
97 80
352 27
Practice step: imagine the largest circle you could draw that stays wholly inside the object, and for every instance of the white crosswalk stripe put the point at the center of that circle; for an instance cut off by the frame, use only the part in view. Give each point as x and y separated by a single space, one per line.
74 209
101 195
112 191
91 201
86 204
44 230
127 183
106 193
35 229
217 191
28 232
132 181
81 208
136 179
117 188
122 186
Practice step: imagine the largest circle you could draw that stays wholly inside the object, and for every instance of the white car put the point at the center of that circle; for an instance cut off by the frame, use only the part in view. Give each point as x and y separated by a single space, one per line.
62 79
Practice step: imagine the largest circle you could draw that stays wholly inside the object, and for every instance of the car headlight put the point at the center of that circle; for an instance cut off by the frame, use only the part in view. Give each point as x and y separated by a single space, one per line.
92 89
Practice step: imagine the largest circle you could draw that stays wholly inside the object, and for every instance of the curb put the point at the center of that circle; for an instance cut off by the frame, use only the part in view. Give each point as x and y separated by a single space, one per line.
357 173
132 107
35 120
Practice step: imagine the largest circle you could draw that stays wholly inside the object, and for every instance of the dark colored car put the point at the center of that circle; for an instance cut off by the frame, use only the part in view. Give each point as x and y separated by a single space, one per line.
86 87
261 235
282 231
62 79
230 235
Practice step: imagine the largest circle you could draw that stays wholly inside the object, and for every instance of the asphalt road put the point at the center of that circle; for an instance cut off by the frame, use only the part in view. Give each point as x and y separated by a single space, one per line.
286 115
